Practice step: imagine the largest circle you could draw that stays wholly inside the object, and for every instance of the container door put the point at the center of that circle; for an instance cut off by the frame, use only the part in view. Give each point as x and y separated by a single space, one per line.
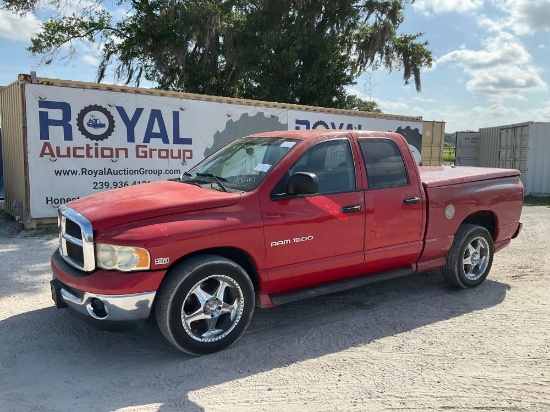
432 143
466 148
506 147
514 148
521 152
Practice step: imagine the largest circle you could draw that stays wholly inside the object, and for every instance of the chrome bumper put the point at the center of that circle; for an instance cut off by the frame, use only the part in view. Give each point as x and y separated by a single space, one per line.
109 308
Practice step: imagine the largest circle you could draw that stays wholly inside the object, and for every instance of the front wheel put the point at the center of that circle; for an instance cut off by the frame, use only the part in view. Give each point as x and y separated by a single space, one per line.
205 304
470 258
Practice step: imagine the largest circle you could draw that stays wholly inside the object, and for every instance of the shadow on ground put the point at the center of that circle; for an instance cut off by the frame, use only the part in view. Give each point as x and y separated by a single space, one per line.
69 366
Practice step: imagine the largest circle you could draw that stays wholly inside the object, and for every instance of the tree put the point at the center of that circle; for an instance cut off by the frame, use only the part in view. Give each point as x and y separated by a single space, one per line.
355 103
450 139
296 51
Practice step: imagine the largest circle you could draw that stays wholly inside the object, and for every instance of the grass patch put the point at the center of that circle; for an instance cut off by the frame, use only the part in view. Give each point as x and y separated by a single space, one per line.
537 201
449 154
448 158
49 231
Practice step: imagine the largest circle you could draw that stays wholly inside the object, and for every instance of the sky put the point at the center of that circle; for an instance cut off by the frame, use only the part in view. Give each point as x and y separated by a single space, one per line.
491 63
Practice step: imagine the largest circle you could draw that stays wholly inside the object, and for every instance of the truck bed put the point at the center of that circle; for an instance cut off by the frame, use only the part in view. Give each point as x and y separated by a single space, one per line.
437 176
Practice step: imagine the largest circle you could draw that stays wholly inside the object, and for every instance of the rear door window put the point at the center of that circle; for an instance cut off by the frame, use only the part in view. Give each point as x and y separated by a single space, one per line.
384 162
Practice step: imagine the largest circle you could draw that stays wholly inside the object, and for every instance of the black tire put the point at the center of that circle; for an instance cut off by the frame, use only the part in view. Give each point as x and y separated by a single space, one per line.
196 287
473 244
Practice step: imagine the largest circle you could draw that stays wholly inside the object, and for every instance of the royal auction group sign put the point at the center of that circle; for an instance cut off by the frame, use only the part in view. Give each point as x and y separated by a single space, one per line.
82 141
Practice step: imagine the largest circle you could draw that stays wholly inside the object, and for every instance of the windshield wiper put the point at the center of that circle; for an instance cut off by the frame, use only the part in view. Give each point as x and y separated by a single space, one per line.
178 179
188 181
218 179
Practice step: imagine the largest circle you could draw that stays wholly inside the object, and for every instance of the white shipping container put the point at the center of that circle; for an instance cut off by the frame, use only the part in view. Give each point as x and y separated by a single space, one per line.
466 148
524 146
538 160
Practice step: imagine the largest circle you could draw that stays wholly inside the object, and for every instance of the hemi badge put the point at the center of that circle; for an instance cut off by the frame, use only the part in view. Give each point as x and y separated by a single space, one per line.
162 261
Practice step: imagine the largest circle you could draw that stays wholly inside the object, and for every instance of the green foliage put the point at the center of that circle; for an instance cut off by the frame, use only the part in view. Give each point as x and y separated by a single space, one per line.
450 139
449 154
537 201
295 51
355 103
67 30
47 231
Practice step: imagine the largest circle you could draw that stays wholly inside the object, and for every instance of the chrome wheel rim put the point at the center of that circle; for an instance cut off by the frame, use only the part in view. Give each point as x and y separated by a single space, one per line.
212 308
476 258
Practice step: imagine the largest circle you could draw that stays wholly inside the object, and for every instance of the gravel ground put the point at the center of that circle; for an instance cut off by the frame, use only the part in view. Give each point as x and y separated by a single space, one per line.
408 344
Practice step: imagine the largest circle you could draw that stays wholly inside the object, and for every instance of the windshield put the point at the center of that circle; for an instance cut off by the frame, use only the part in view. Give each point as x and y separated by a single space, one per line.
240 166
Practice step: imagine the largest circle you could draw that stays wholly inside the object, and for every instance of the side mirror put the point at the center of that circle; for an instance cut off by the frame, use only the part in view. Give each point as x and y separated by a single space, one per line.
302 183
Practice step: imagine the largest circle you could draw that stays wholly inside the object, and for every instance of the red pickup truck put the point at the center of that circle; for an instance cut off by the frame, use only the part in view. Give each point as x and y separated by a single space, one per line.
272 218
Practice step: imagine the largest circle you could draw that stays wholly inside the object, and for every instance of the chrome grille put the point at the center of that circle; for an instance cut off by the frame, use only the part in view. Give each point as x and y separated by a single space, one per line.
72 229
76 239
75 253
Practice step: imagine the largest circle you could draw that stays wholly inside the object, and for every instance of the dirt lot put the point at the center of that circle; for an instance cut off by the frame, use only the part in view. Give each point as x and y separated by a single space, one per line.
410 344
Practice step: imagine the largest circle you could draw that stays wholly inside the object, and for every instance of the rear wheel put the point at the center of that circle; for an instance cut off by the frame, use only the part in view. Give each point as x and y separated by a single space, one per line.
470 258
205 304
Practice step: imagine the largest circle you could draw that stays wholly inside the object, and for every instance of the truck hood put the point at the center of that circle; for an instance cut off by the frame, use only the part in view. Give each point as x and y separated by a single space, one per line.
145 201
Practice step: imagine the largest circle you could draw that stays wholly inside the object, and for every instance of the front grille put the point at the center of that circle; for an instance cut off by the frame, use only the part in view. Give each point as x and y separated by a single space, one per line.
72 229
75 253
76 240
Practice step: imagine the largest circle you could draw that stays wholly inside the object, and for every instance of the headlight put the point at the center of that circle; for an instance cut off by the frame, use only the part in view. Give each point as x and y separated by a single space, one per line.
124 258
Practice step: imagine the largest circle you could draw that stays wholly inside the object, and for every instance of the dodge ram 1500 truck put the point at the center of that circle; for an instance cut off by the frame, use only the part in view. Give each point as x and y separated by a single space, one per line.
272 218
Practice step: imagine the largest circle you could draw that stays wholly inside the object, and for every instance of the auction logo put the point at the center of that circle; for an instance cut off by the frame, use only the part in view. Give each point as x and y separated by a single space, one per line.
320 125
95 122
303 124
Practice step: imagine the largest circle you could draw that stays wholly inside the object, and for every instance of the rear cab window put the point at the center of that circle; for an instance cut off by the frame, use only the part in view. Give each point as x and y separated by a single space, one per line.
384 163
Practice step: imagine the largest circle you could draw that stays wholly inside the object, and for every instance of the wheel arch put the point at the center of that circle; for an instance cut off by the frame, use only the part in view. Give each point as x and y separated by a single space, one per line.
239 256
483 218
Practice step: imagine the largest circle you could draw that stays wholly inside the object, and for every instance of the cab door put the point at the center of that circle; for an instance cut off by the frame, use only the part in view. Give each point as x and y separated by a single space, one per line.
394 207
316 239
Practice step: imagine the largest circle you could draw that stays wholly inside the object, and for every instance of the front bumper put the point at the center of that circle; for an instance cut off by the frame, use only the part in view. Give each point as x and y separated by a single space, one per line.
109 312
108 300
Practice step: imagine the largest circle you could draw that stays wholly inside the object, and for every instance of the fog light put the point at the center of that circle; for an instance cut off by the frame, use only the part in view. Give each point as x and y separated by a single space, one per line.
97 309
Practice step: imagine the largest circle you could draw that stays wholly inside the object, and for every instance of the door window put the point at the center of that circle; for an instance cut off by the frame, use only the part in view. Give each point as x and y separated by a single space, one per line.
385 166
332 163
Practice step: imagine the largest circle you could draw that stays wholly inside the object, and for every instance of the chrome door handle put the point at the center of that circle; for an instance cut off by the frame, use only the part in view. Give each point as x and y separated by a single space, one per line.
411 201
351 209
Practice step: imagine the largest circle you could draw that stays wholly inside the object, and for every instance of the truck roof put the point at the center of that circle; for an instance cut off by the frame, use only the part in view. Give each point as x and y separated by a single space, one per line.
313 134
